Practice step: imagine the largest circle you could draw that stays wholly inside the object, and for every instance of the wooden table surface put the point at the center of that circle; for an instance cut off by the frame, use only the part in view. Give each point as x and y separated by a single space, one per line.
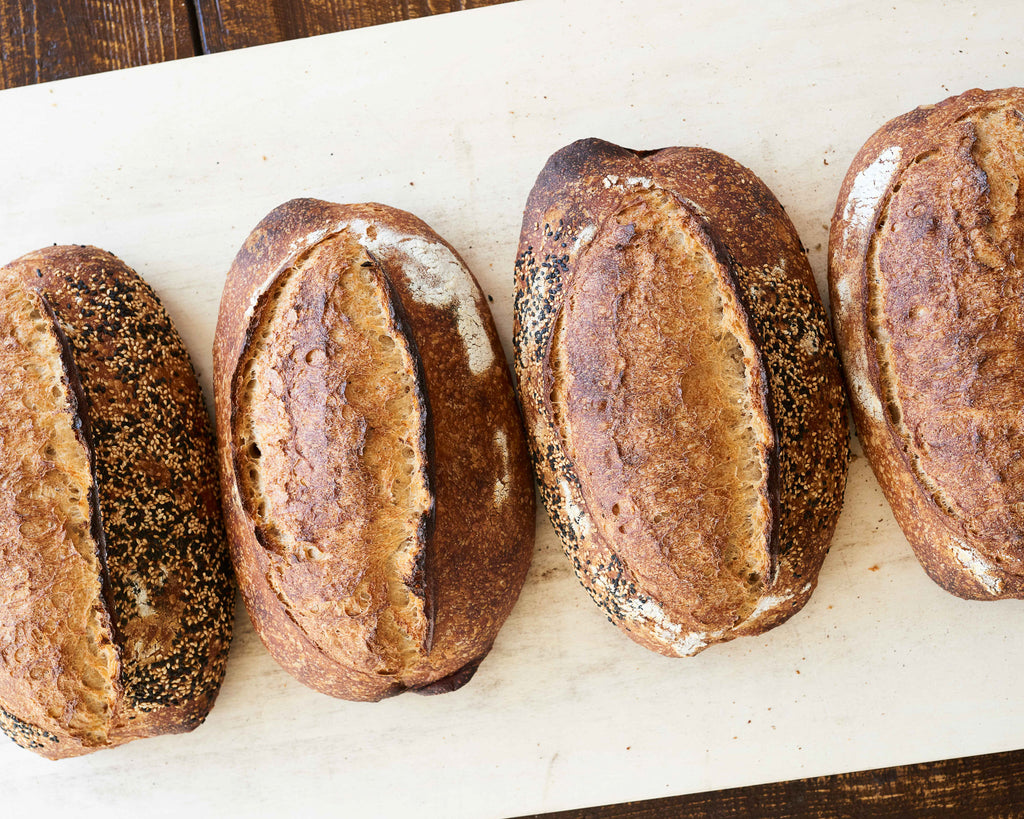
42 40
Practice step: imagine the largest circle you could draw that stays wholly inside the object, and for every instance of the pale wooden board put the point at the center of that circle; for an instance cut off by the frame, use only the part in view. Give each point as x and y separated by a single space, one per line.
170 166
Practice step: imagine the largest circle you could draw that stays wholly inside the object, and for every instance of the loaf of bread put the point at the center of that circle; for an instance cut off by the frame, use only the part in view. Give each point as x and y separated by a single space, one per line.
374 470
681 391
926 282
116 595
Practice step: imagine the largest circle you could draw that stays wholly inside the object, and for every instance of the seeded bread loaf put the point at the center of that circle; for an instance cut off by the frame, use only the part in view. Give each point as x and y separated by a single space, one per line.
925 276
681 391
115 588
375 476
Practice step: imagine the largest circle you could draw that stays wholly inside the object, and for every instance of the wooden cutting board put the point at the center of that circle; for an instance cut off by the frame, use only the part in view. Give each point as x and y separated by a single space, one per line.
170 166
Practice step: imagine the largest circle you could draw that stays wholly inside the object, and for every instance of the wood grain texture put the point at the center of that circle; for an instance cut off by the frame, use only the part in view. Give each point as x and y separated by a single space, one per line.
42 40
979 786
230 24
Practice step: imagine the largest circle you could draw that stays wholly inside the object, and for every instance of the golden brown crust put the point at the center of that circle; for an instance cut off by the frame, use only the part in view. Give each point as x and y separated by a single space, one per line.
56 635
476 558
640 371
157 531
925 285
333 458
780 334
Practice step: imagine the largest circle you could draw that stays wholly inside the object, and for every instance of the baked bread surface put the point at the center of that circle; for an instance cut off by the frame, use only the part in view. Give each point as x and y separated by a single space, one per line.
393 526
117 594
925 277
681 391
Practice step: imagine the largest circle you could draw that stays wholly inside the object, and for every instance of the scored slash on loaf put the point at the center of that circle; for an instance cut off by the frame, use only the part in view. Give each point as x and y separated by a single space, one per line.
374 469
681 391
115 585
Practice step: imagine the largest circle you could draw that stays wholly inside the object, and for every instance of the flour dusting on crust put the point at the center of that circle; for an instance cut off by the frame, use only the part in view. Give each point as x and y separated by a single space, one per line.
436 277
978 566
769 602
580 519
869 186
585 237
502 483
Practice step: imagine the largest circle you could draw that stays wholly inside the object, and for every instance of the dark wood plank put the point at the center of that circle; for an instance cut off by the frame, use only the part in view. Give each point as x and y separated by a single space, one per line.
981 786
229 24
43 40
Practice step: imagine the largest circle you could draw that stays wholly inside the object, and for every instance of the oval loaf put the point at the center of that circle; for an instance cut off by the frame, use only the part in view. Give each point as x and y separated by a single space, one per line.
115 588
375 475
681 391
926 282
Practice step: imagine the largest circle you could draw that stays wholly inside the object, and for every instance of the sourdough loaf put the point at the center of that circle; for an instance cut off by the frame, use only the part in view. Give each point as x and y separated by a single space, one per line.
115 588
925 275
374 469
681 391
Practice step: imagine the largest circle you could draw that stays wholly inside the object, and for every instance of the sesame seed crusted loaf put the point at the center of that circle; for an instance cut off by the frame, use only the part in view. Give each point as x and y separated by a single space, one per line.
681 391
926 277
374 469
115 588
